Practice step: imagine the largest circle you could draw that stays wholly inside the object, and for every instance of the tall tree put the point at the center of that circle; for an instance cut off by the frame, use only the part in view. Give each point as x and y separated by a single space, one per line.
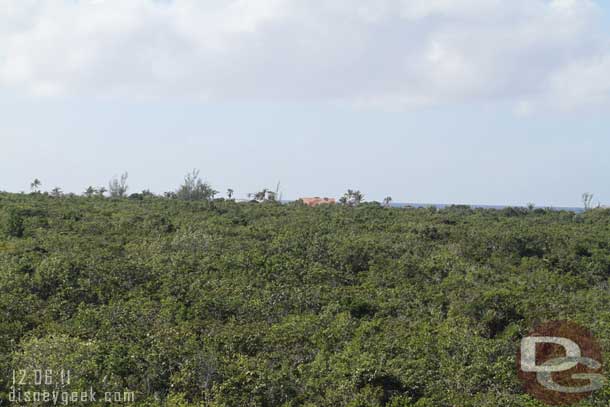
195 189
587 198
35 185
352 198
90 191
264 195
56 192
260 195
118 186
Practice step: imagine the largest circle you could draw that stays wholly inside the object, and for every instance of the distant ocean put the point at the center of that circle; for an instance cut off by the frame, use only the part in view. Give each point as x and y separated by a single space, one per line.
441 206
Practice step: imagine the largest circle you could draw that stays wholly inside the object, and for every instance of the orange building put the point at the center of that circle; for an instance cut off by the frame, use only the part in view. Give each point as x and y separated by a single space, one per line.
318 201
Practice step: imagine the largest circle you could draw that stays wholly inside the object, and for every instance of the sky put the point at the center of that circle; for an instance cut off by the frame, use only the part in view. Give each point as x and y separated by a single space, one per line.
428 101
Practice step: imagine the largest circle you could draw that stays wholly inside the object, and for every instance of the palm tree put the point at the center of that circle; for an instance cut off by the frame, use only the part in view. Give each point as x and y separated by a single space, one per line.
587 198
230 193
35 185
264 195
352 198
90 191
387 201
260 195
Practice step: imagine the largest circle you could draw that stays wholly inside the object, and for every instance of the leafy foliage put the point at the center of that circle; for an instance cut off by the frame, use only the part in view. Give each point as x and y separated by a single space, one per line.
118 186
220 303
194 189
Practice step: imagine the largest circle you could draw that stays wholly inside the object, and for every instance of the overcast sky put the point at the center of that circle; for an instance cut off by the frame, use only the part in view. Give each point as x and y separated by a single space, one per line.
444 101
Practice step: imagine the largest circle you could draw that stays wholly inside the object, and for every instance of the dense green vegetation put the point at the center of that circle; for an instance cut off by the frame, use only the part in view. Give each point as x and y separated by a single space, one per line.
261 304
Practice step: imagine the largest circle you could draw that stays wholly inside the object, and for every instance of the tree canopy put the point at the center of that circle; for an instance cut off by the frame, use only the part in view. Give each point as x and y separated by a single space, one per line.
220 303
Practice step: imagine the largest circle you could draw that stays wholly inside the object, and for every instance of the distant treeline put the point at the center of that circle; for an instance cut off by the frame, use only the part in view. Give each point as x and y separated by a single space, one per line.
194 188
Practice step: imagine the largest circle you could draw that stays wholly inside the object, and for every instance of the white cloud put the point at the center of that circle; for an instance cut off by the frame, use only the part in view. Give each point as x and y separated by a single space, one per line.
537 54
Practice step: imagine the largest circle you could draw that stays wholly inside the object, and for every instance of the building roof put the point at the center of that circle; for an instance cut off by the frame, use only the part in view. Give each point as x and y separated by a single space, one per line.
318 201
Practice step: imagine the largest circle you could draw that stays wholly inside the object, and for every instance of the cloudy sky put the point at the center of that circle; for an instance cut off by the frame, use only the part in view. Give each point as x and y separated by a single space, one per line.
452 101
